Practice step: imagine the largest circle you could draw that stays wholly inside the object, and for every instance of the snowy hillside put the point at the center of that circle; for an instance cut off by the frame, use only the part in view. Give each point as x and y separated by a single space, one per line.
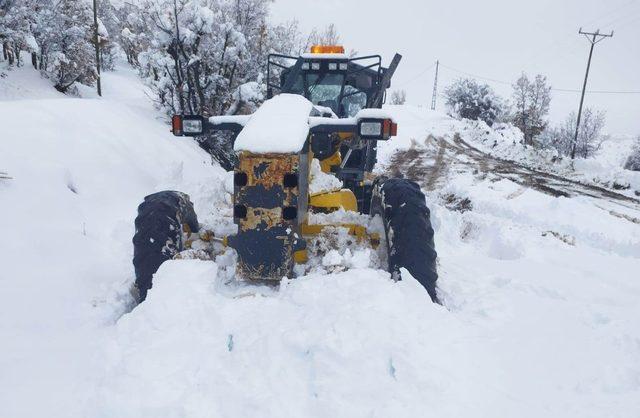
540 315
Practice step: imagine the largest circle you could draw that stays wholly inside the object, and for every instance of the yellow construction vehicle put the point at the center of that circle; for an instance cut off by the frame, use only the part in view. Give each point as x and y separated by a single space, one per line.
323 106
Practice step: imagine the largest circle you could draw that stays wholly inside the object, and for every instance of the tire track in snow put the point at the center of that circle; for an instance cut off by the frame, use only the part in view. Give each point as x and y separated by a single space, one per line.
431 164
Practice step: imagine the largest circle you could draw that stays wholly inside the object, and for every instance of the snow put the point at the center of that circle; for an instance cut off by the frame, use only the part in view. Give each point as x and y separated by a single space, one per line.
322 182
80 167
325 111
239 119
362 114
540 315
318 121
374 114
250 91
280 125
505 141
25 83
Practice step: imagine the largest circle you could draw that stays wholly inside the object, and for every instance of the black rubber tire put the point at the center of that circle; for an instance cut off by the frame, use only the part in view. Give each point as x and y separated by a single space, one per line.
159 234
408 231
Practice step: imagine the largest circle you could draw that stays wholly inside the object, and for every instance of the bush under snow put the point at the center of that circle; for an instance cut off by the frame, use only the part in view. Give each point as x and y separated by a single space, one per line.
469 99
633 162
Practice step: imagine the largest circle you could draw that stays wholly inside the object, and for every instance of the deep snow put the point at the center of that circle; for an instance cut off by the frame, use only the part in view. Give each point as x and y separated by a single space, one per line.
540 319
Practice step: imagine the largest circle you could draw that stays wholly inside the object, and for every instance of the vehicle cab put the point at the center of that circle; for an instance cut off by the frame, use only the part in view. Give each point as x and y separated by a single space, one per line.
329 78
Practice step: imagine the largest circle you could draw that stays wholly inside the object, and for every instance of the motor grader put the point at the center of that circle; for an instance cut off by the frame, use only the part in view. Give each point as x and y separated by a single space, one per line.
324 106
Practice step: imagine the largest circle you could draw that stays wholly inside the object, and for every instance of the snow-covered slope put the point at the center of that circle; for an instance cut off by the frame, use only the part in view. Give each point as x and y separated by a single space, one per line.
540 318
79 169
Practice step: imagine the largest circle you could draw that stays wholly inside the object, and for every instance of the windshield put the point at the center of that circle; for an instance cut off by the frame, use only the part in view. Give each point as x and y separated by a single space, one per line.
329 90
353 101
324 89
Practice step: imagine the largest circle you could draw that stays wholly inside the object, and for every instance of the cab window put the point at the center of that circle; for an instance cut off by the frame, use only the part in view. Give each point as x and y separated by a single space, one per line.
354 100
324 89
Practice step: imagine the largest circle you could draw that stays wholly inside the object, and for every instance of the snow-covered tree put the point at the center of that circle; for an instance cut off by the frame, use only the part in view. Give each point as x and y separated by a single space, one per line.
633 162
590 137
531 101
468 99
17 20
205 57
108 28
200 52
71 55
57 33
132 33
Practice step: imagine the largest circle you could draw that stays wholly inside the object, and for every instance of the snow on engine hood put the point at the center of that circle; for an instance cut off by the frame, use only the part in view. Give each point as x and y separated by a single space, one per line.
280 125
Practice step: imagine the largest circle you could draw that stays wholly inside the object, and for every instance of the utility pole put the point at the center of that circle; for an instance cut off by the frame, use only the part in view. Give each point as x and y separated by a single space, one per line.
593 38
435 88
97 40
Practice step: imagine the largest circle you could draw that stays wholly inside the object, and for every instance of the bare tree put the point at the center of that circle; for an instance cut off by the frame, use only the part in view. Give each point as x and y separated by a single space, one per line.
327 36
398 97
590 137
531 100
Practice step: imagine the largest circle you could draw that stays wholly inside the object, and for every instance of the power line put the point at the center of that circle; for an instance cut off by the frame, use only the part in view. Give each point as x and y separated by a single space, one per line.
507 83
623 17
476 75
627 22
553 89
610 13
404 83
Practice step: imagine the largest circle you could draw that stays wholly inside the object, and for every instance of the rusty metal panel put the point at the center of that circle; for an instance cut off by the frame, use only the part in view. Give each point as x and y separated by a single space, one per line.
266 241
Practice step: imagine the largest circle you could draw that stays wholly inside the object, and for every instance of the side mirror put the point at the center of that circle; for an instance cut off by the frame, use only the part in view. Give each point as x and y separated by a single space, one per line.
377 129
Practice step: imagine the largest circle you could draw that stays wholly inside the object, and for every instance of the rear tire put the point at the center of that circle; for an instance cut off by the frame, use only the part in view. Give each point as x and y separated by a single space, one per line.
408 231
159 234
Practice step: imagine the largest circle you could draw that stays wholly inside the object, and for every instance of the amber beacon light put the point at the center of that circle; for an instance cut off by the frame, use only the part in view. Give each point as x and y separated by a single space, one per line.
327 49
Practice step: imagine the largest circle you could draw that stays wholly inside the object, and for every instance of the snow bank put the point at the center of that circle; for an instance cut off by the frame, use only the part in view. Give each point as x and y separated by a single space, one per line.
25 83
505 141
280 125
79 169
306 350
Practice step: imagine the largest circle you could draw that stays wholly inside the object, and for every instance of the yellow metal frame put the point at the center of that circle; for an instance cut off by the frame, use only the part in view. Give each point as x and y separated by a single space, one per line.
358 231
342 199
333 161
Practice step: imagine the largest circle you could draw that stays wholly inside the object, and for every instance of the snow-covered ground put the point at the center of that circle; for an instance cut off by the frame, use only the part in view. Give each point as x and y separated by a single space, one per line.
540 316
505 141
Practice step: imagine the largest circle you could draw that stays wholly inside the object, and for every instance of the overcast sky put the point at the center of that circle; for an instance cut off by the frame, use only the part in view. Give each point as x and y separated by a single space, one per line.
494 39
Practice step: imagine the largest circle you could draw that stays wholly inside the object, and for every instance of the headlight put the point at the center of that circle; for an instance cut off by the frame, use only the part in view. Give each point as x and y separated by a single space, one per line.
344 66
368 129
377 129
315 65
333 66
305 65
192 126
187 125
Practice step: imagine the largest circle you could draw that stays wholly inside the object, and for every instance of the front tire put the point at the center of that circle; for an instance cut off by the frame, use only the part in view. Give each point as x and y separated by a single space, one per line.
408 231
159 234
